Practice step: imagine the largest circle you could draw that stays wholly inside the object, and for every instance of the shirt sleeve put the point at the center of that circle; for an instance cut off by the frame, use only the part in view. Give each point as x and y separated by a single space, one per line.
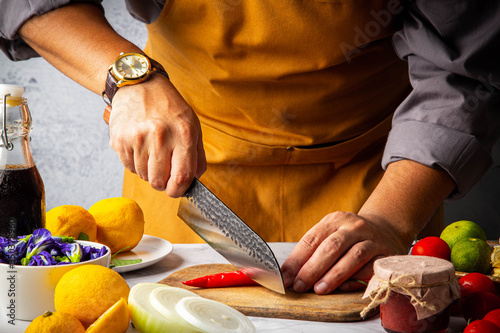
13 14
451 119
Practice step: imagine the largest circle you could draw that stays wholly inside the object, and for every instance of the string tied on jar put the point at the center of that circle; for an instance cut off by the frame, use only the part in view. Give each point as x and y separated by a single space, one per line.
381 294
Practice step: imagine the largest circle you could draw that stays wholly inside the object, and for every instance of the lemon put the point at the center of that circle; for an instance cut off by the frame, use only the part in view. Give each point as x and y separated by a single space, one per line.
495 260
59 322
87 291
495 256
461 229
120 223
472 255
71 220
115 320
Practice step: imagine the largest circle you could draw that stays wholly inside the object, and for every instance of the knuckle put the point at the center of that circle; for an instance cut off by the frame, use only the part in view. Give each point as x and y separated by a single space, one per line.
310 241
157 184
359 223
332 245
184 133
361 253
180 178
139 137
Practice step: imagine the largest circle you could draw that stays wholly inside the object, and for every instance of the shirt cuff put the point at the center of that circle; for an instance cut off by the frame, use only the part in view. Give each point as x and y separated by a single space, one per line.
460 154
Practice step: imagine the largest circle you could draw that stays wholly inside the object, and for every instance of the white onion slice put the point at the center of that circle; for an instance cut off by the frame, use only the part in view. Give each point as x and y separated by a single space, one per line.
213 317
145 317
165 298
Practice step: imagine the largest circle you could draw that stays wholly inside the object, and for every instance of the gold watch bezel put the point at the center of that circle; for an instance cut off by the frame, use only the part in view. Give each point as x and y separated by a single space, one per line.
122 79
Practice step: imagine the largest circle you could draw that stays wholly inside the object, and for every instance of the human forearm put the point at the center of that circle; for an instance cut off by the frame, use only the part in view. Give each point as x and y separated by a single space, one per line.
407 197
152 129
78 41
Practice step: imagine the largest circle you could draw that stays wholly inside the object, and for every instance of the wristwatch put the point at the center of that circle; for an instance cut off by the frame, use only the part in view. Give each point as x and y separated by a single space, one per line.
128 69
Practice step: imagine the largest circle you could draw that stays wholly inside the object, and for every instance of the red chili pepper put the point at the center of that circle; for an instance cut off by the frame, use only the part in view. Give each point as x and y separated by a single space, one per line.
227 279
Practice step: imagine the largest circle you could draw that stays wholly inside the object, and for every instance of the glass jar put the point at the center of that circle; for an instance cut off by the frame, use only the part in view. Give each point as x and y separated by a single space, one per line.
22 193
414 293
398 315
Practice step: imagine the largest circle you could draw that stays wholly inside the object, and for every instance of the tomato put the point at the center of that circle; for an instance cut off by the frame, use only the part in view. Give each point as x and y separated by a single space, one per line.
473 282
482 326
493 316
432 246
478 304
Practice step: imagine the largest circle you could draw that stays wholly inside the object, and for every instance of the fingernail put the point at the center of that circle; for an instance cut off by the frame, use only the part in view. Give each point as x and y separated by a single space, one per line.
299 286
321 288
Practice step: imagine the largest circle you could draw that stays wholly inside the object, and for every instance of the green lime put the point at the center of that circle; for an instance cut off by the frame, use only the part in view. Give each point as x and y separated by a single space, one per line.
472 255
461 229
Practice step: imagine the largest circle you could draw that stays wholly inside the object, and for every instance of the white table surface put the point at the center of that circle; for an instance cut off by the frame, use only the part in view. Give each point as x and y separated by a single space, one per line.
184 255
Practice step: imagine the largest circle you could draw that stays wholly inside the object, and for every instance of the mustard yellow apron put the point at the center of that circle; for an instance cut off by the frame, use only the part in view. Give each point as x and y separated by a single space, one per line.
294 116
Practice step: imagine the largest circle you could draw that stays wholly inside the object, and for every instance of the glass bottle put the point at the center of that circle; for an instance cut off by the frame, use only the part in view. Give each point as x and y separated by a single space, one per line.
22 193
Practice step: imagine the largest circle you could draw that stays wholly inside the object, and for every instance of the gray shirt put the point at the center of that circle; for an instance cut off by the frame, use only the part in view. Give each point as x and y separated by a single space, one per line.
450 120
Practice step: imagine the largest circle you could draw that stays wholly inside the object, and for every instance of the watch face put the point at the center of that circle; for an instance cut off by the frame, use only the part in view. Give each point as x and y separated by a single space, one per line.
131 66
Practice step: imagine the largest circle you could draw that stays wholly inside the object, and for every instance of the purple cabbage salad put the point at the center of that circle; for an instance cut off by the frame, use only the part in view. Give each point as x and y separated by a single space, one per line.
42 249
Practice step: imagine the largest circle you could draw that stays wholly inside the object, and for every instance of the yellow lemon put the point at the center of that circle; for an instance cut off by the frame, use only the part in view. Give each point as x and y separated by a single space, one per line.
115 320
59 322
120 223
495 256
86 292
73 221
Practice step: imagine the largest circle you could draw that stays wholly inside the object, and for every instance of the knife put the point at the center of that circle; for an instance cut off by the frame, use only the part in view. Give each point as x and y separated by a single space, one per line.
230 236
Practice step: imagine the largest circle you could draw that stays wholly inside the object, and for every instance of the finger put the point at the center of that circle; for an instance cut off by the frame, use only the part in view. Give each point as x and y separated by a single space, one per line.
361 278
126 155
159 160
348 265
325 256
182 171
201 160
141 162
159 168
304 249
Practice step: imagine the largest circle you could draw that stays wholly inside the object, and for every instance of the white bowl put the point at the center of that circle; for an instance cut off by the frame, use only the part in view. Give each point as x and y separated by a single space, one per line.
28 291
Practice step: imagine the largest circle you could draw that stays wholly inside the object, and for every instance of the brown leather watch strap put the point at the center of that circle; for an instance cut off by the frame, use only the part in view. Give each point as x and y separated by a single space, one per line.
110 89
158 68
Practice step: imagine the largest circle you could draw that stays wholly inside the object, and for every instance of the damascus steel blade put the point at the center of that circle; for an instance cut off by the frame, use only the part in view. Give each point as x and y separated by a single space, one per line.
230 236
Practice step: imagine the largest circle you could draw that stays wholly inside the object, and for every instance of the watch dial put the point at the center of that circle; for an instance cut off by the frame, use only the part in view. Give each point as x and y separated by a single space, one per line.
132 66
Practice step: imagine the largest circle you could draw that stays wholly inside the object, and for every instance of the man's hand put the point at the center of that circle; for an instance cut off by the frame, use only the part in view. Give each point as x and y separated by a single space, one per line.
344 246
153 130
157 135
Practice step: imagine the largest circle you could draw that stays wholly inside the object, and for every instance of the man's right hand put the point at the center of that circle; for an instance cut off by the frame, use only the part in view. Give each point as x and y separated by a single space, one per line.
154 131
157 135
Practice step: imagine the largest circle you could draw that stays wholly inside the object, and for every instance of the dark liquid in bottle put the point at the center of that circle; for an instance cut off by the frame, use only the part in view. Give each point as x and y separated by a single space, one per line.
22 201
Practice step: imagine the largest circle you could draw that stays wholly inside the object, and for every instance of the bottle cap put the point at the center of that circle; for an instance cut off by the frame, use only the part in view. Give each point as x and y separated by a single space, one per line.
13 90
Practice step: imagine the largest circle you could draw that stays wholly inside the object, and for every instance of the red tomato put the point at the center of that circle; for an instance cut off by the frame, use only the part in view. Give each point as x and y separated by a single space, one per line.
473 282
431 246
493 316
478 304
482 326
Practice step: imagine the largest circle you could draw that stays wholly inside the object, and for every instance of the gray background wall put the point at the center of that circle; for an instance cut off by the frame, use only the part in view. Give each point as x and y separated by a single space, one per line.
70 139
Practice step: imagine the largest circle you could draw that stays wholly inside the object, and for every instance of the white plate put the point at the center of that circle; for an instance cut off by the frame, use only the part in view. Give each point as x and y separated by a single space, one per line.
150 250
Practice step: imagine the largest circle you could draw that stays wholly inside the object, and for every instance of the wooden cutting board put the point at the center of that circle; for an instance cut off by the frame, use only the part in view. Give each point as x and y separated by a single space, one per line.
260 302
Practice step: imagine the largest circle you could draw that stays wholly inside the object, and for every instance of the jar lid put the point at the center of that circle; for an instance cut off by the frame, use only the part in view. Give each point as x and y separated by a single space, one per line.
430 282
13 90
427 270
